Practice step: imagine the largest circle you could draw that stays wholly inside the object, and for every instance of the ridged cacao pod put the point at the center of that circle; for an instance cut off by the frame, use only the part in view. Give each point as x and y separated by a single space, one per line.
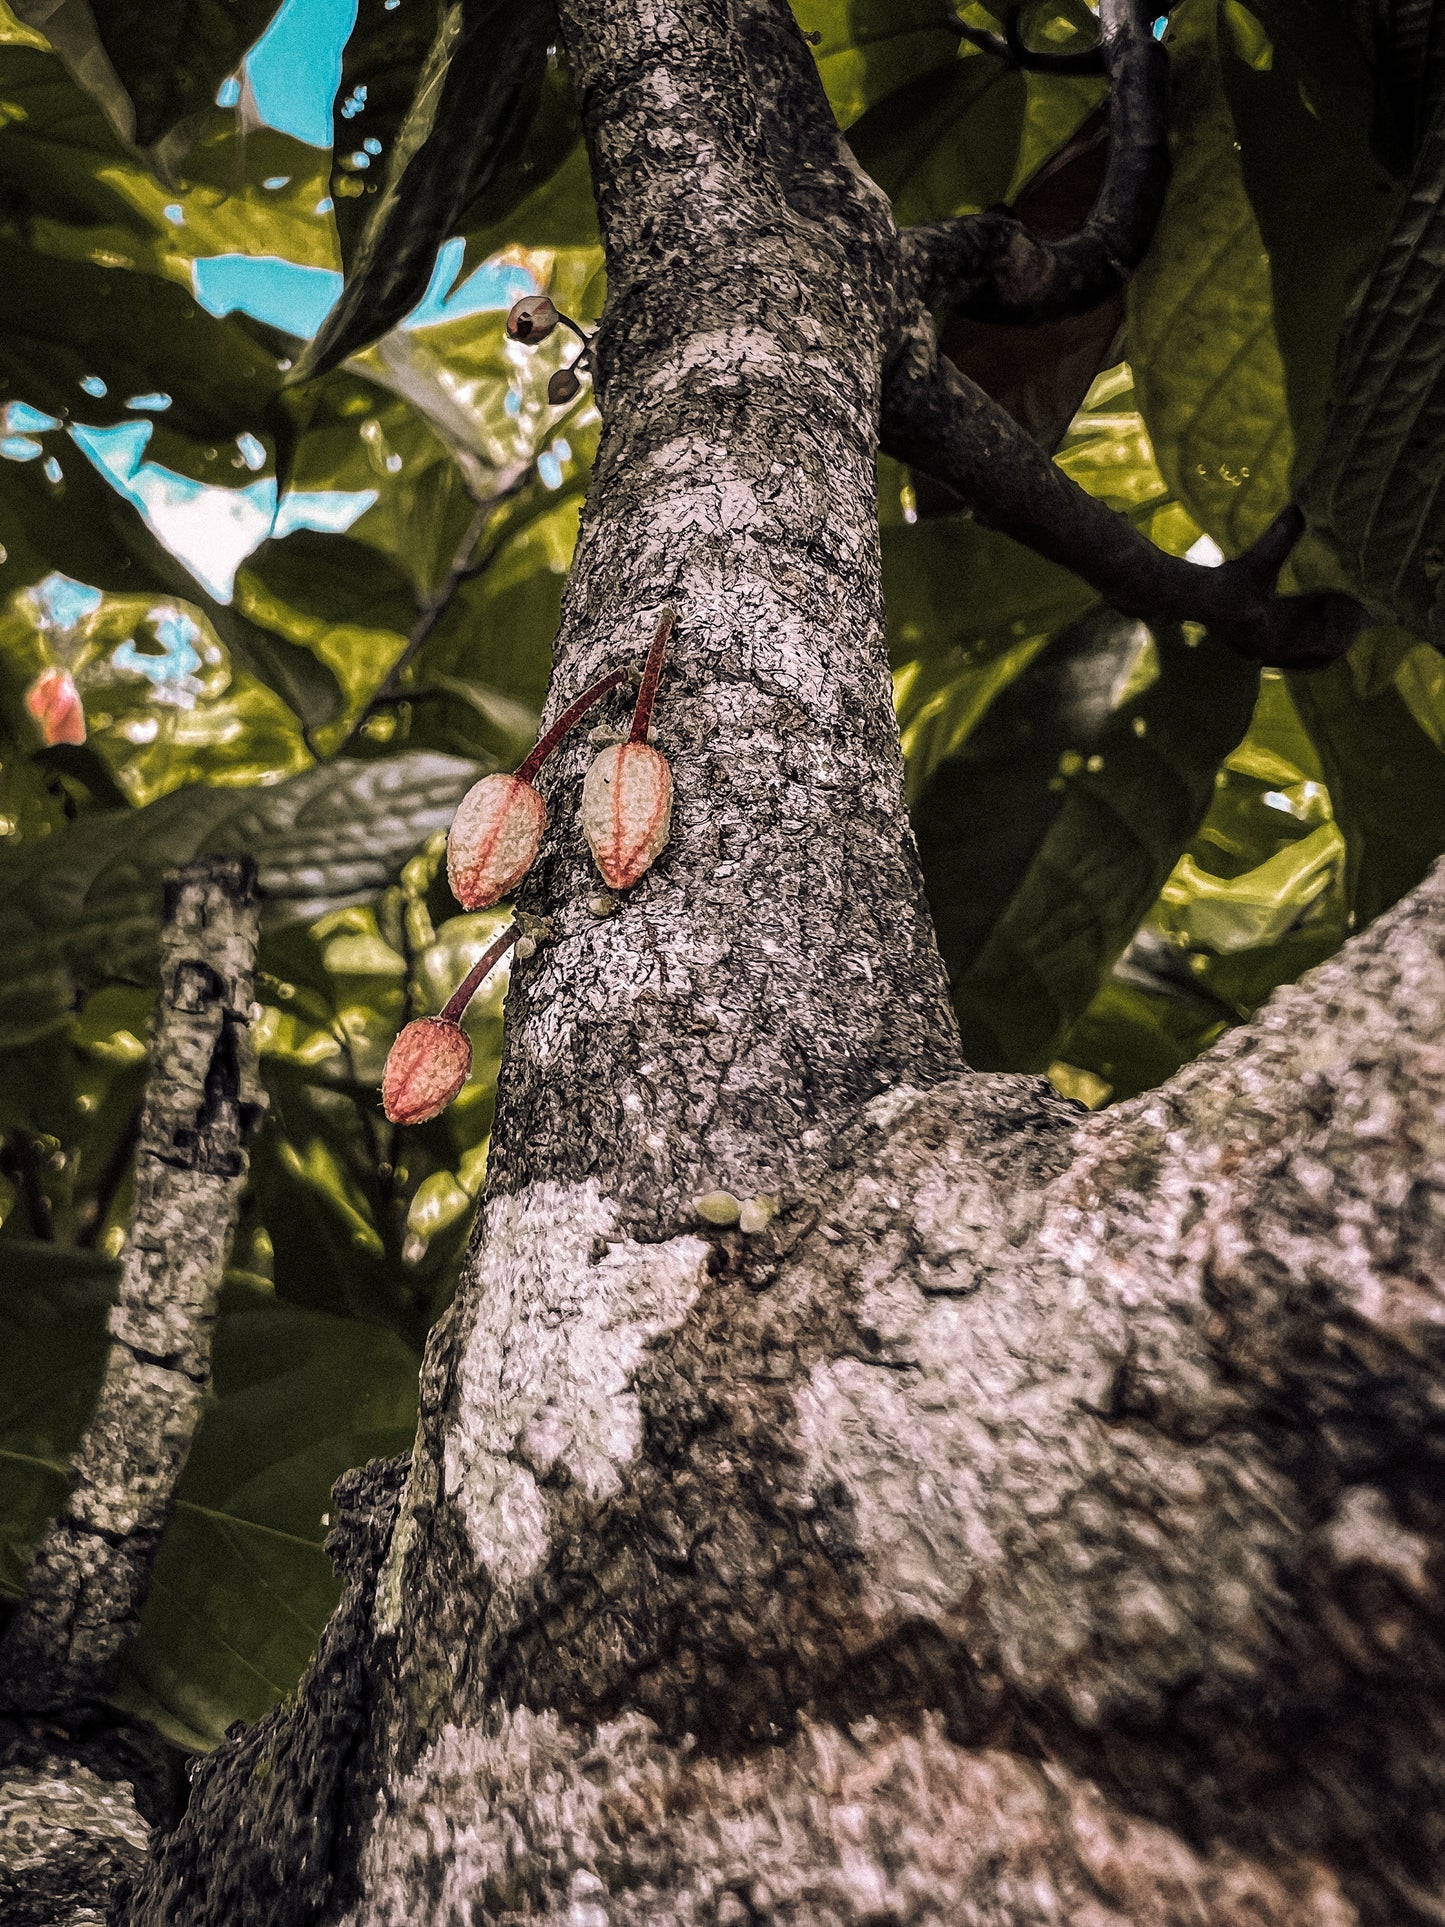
425 1068
494 839
627 811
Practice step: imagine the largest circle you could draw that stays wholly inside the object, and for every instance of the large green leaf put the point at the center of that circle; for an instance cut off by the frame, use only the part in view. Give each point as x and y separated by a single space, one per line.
85 195
242 1587
82 906
53 1305
1386 778
866 49
1258 897
475 99
63 323
1303 106
1376 490
150 66
946 142
1202 340
81 526
1050 833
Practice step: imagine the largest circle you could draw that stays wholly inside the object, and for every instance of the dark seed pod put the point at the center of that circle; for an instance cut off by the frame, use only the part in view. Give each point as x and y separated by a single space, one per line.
562 387
532 319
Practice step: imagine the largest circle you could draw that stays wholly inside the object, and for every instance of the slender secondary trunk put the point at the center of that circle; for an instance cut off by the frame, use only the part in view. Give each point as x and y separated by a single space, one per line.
992 1538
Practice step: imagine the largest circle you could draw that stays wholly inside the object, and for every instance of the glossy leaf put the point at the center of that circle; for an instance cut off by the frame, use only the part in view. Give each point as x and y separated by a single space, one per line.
475 99
1048 836
167 58
1377 487
867 49
1303 107
53 1305
945 143
242 1587
82 906
1202 340
1386 777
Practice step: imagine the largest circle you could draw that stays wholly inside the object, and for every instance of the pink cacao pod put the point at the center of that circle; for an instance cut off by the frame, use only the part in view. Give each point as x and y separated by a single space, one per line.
425 1068
531 319
494 839
627 811
54 701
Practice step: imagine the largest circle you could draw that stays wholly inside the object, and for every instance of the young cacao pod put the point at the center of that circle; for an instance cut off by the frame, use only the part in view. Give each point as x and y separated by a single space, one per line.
494 839
54 701
531 319
627 811
562 387
425 1068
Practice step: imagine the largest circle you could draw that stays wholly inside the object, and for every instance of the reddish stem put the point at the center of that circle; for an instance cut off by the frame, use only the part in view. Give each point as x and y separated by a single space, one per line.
455 1006
571 714
652 676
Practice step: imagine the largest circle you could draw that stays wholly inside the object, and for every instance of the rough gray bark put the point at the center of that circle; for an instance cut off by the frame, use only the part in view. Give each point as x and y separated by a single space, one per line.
1039 1521
87 1581
70 1826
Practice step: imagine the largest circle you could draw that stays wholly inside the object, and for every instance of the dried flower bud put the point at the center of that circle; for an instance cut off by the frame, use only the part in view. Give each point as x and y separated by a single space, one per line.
495 836
756 1214
54 701
627 811
563 386
425 1068
532 319
718 1207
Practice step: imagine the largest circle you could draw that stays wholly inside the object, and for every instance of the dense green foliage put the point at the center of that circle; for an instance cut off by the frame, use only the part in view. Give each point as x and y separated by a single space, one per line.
1129 838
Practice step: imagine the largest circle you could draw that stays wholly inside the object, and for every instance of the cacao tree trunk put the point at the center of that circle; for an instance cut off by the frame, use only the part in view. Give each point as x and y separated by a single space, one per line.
1039 1519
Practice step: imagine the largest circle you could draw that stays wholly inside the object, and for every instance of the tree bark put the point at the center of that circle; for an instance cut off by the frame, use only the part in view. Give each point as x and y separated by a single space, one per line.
71 1780
1038 1521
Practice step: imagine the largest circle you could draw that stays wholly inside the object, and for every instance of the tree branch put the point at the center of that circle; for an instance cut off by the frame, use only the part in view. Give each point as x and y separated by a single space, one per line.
937 420
1011 48
88 1580
993 268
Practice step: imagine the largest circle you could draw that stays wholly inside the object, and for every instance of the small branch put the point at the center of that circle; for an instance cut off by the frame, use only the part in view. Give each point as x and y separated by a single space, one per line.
1011 48
937 420
993 268
88 1580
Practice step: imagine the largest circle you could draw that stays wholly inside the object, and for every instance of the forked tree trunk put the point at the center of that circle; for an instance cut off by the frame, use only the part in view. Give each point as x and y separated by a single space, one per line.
1040 1520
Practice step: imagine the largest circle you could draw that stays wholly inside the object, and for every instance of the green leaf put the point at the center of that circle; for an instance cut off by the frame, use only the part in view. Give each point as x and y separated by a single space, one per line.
1386 778
475 100
87 195
1048 836
65 322
869 48
82 906
84 528
242 1587
1376 490
1303 106
161 62
1202 342
945 143
53 1305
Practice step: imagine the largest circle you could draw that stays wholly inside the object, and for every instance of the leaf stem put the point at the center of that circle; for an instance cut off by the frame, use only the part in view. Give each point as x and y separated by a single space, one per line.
455 1006
652 676
572 714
